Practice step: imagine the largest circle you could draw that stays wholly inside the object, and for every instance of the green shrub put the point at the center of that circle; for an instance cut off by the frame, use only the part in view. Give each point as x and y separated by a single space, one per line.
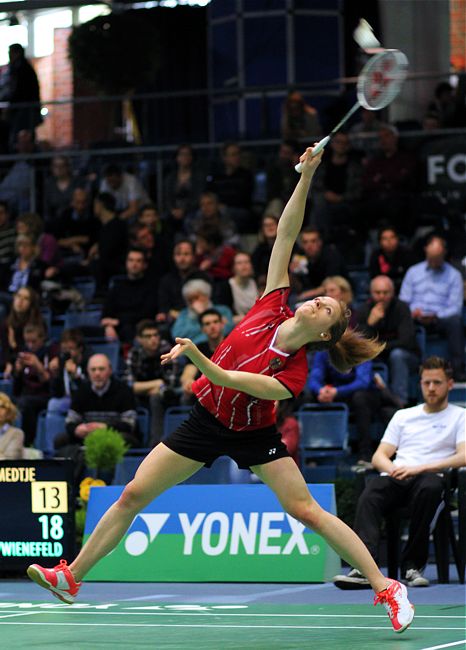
104 449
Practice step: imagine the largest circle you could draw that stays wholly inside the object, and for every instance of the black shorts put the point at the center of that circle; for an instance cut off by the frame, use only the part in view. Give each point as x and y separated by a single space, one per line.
203 438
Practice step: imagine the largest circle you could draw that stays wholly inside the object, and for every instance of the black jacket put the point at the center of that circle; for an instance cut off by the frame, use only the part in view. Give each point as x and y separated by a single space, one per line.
397 328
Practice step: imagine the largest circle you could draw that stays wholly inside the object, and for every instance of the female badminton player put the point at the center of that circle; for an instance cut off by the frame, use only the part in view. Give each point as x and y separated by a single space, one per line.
262 360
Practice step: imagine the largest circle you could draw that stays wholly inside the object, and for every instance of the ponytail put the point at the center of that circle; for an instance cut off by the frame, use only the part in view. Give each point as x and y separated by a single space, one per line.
347 347
352 349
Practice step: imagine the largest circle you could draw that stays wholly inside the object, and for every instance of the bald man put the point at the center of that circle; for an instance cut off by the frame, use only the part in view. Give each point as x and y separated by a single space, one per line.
434 291
100 402
390 319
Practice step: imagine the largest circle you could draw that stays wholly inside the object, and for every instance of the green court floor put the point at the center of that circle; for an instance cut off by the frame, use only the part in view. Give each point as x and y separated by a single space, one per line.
35 625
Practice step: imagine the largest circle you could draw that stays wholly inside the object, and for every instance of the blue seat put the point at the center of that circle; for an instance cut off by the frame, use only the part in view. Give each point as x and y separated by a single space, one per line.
381 368
115 279
110 348
323 431
436 346
360 280
457 395
144 424
174 416
89 317
86 287
49 425
46 314
6 386
126 469
421 340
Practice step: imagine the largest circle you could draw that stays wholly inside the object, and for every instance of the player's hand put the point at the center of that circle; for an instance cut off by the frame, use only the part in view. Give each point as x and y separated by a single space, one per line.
183 346
310 162
376 313
402 473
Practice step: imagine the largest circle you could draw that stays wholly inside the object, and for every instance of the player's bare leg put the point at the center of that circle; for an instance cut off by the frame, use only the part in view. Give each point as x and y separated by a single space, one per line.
285 479
160 470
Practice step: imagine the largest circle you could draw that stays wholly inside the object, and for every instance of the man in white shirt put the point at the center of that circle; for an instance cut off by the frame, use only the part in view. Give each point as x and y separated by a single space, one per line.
427 439
126 189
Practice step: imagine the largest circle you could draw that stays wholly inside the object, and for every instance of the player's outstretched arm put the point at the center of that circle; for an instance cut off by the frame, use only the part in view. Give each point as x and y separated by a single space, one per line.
290 224
260 386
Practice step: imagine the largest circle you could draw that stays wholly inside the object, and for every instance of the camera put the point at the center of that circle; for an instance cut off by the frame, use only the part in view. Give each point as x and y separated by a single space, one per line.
65 356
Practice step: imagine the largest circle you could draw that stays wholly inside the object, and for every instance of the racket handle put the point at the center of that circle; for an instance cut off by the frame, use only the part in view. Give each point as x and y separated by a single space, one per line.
317 149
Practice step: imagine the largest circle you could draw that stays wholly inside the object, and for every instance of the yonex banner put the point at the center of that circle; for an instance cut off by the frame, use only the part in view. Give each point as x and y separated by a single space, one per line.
221 533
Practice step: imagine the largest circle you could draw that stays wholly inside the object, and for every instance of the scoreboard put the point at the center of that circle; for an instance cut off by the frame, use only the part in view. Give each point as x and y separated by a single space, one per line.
36 513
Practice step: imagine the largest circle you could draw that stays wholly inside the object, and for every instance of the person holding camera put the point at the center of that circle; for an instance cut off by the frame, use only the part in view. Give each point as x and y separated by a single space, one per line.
68 370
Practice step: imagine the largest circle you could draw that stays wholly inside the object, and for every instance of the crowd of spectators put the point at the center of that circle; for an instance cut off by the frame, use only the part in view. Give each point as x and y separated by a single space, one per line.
195 269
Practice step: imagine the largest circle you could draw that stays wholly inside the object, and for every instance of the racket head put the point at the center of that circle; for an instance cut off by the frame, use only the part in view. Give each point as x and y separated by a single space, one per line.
381 79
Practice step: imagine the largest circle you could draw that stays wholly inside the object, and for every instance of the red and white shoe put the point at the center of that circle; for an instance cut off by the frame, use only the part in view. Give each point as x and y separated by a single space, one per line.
395 600
58 580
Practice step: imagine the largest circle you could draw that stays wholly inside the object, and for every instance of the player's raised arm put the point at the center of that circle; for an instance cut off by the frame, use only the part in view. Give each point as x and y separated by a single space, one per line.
290 224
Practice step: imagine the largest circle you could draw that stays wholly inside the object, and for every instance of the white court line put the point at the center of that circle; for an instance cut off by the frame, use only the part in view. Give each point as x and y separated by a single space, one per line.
214 613
446 645
10 615
234 627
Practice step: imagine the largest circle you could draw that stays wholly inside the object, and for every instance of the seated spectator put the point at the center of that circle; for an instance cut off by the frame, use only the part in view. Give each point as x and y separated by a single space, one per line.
11 438
170 298
213 256
433 289
155 386
449 104
183 184
76 229
101 402
25 310
388 184
107 255
7 239
388 318
27 269
197 295
360 133
357 389
337 188
68 370
59 187
313 262
130 299
31 224
234 186
267 236
299 120
338 287
212 215
390 258
281 173
240 291
15 187
31 377
431 121
414 477
212 326
156 249
126 189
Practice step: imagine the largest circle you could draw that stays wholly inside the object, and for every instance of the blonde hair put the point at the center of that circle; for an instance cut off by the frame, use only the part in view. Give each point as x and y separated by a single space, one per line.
347 347
11 410
344 286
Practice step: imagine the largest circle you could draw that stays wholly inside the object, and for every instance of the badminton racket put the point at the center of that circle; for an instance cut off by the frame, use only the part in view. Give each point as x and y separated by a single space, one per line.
378 84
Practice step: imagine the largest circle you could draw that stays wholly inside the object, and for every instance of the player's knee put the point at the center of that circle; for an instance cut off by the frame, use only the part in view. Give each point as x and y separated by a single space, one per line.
132 498
307 512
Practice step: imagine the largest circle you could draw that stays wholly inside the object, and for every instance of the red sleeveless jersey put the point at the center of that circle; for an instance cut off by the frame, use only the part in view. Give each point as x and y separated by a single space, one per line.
250 348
